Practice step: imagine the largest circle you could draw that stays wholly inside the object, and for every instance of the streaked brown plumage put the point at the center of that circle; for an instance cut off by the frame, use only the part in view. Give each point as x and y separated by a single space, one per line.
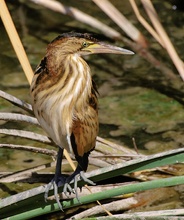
64 99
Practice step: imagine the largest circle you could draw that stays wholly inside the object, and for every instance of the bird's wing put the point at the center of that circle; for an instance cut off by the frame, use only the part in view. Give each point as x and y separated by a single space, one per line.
85 126
84 133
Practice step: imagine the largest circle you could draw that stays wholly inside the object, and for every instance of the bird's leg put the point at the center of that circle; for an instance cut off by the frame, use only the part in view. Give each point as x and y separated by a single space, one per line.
79 172
58 179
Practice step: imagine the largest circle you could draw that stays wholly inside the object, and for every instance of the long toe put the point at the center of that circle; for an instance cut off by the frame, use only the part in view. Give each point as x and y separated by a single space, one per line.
75 188
48 187
54 184
57 196
85 179
67 189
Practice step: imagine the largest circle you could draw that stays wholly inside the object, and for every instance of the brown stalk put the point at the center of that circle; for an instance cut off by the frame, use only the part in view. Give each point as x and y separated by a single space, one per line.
17 176
121 21
163 35
145 23
79 15
30 149
15 40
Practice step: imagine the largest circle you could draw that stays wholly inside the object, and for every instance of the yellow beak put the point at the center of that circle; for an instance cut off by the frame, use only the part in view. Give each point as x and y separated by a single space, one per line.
100 47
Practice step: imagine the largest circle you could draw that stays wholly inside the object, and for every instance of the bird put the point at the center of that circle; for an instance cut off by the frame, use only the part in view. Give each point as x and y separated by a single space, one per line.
65 102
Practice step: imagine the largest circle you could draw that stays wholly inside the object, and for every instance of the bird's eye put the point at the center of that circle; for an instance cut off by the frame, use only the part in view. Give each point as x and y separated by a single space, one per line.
85 44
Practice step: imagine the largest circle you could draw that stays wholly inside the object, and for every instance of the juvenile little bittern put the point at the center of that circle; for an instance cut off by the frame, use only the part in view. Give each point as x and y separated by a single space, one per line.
64 99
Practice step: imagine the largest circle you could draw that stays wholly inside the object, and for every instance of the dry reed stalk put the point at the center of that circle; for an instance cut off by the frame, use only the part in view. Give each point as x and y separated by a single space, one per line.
20 175
114 206
145 23
80 16
44 151
121 21
15 40
163 35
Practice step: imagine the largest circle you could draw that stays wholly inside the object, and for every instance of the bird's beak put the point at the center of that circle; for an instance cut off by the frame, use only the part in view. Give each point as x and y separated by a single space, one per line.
106 48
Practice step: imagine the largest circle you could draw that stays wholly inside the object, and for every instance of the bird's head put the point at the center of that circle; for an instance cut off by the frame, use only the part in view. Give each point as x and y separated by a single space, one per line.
82 44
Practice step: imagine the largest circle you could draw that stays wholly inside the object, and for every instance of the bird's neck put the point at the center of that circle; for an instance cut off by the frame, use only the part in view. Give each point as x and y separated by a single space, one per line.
72 73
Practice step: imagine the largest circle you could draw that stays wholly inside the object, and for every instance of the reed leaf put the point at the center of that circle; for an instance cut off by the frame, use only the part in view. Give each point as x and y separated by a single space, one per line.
31 203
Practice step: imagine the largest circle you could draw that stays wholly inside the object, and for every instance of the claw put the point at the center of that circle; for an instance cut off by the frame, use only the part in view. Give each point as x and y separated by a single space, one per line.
48 187
67 189
75 188
56 196
55 184
85 179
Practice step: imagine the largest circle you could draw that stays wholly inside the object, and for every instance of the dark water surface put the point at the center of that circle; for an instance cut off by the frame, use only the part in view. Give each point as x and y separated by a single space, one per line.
136 100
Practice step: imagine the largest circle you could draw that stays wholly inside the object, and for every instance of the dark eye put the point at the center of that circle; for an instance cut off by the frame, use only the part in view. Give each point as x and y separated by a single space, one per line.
85 44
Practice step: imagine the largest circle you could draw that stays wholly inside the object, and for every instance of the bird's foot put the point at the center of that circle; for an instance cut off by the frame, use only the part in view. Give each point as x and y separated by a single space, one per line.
68 189
55 183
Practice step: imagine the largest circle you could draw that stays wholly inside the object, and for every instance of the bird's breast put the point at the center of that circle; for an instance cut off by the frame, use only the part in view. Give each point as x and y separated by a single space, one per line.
57 106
